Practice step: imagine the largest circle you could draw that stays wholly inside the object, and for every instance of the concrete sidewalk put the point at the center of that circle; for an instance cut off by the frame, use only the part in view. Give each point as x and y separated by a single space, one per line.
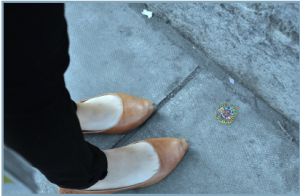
114 48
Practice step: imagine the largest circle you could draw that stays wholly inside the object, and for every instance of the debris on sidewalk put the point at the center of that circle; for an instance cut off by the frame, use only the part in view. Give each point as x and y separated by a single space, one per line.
147 13
291 138
226 112
231 80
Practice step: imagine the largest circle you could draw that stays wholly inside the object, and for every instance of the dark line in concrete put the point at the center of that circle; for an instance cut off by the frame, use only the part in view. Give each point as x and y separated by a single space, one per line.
255 99
128 135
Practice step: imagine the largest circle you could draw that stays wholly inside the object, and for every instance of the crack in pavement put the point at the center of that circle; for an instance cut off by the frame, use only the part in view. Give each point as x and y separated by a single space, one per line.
172 94
255 99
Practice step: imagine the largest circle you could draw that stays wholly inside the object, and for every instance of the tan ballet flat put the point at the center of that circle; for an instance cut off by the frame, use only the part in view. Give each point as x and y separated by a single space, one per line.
135 111
169 150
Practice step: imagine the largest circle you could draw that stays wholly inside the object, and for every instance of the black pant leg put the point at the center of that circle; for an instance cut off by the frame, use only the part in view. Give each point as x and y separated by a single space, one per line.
40 121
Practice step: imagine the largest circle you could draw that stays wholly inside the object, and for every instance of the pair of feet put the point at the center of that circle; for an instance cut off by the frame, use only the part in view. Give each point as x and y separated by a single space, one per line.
145 161
127 165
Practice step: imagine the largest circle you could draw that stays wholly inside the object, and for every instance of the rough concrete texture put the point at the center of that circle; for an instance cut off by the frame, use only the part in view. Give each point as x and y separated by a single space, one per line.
114 48
257 43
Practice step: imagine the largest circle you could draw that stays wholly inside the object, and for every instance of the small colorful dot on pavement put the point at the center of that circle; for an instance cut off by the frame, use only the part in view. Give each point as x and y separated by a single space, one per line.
226 112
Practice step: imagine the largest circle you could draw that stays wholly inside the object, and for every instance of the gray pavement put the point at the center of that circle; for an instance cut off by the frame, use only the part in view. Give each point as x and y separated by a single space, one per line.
114 48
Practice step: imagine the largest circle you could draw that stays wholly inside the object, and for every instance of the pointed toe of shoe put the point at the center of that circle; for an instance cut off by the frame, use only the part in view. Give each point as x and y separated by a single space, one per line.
135 111
170 152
